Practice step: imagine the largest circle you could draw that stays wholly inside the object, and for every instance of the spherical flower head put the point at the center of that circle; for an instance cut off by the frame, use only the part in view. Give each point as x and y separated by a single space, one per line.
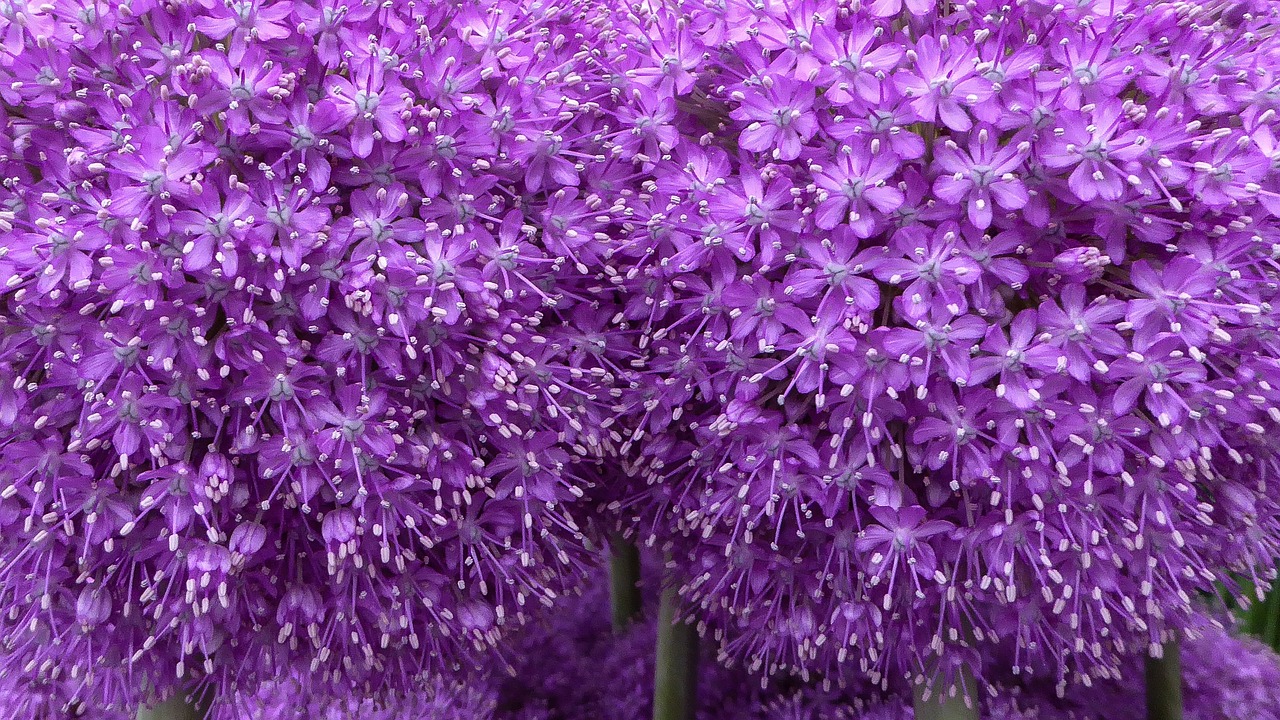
951 329
303 336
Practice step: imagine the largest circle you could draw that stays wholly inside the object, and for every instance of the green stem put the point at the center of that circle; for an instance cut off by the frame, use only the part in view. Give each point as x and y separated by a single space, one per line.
676 674
624 582
941 704
1255 617
1270 625
179 707
1164 684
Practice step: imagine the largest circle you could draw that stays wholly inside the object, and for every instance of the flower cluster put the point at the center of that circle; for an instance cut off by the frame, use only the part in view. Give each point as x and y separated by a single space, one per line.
958 322
300 343
903 327
293 699
570 666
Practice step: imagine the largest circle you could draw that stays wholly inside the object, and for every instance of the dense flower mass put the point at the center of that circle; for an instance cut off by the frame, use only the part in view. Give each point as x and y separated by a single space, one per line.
905 327
570 666
301 362
292 699
958 319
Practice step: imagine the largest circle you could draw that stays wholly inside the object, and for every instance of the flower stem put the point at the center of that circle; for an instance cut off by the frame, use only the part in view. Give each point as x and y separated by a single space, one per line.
934 699
1270 625
624 582
1164 684
676 672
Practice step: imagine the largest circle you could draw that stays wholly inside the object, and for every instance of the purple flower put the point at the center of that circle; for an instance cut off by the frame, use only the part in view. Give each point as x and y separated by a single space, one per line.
889 8
856 190
214 226
980 177
247 19
1081 264
243 87
836 270
898 538
371 99
859 59
780 120
944 83
330 333
1096 150
931 268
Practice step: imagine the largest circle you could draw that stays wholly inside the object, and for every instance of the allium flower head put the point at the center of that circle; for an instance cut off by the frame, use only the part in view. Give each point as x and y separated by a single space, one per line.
954 323
302 361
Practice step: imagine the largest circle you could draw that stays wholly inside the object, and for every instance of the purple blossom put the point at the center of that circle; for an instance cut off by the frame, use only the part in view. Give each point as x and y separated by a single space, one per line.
780 119
1096 150
329 333
856 190
944 84
370 100
981 176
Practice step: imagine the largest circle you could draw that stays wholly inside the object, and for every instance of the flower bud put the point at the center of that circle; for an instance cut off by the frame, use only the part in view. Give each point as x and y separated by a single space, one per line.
476 616
92 607
248 538
209 558
1082 264
339 526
